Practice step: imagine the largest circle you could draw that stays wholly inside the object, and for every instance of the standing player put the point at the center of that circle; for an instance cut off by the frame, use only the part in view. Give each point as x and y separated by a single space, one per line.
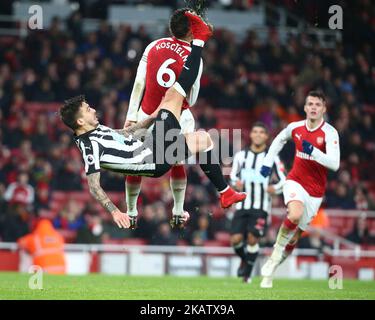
317 149
121 151
161 63
251 216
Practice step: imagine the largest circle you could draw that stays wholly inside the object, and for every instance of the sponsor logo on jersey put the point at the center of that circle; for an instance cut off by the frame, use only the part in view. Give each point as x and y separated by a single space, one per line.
293 194
319 140
298 136
303 155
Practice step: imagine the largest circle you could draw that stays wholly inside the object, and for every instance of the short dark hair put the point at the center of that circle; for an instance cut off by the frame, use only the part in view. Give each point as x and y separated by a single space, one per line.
317 94
69 111
179 24
260 124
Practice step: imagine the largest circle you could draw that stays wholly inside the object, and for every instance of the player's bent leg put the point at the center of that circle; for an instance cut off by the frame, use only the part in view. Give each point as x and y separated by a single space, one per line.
200 143
285 234
267 281
295 211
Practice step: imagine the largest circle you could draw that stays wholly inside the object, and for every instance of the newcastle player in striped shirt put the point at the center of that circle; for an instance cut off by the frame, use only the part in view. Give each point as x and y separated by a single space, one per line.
121 151
251 216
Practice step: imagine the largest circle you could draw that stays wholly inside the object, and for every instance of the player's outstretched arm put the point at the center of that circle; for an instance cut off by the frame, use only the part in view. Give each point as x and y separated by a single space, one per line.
275 148
138 89
330 159
121 219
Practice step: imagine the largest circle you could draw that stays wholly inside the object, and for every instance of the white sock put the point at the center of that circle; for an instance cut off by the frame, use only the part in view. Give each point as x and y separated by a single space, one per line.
178 187
132 193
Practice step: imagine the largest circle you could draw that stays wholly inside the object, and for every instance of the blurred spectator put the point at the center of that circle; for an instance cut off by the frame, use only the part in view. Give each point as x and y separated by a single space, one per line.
42 197
360 233
203 231
20 192
146 223
164 235
207 119
70 217
15 223
92 231
341 197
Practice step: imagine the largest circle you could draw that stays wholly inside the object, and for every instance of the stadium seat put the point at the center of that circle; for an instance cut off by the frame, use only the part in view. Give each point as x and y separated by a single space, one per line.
134 241
69 235
223 237
213 243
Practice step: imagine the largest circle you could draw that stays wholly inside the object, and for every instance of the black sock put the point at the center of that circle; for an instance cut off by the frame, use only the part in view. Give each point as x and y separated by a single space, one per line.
210 166
250 261
190 70
239 249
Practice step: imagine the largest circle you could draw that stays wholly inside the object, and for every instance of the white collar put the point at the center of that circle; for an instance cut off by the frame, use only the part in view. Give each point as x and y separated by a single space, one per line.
316 128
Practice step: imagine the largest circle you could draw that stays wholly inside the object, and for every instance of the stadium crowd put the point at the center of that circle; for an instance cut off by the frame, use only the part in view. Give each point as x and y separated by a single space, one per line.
38 157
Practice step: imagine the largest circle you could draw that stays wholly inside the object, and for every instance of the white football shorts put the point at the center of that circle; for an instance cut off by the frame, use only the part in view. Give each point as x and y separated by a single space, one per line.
292 190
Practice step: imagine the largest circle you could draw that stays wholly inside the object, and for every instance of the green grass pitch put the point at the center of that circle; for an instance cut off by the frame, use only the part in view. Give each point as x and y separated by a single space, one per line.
97 286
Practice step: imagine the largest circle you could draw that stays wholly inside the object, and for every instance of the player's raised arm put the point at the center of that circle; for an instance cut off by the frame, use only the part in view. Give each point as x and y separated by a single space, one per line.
138 89
330 159
194 91
121 219
275 148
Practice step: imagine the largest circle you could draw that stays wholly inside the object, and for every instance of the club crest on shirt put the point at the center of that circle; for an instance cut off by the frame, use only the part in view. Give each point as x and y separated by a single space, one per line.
319 140
90 159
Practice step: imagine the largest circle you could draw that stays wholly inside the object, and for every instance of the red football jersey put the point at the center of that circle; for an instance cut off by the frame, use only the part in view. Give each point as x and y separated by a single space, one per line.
165 58
310 171
306 171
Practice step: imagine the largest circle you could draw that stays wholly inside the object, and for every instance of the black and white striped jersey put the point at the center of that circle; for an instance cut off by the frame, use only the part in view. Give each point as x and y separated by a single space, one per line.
104 148
246 168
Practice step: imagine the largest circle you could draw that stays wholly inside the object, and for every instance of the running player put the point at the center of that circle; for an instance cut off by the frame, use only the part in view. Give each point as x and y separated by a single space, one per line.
120 151
251 217
161 63
317 149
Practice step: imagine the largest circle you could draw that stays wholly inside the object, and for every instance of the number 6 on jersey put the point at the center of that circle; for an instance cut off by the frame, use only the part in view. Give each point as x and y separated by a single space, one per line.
164 70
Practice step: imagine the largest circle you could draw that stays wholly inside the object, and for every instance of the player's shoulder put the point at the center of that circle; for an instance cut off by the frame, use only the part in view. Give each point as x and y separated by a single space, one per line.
240 154
104 128
158 41
296 124
329 129
154 43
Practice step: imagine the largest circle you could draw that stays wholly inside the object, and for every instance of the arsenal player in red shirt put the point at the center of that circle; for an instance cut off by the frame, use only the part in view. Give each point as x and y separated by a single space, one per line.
316 150
160 66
